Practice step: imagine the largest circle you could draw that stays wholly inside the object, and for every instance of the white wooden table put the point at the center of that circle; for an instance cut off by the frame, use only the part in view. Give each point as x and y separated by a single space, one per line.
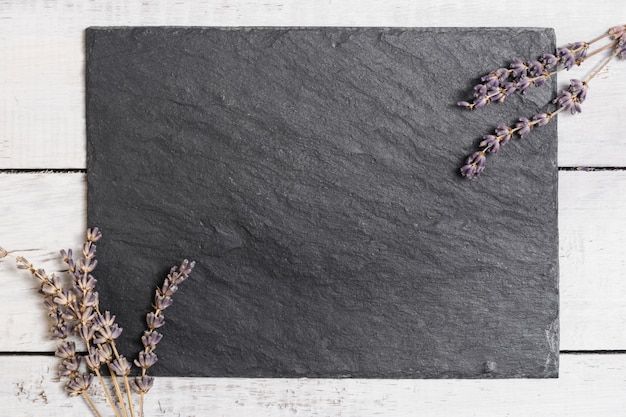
43 192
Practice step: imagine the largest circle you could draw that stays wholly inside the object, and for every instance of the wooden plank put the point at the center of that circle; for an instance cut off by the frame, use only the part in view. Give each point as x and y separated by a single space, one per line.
589 385
45 212
592 223
42 114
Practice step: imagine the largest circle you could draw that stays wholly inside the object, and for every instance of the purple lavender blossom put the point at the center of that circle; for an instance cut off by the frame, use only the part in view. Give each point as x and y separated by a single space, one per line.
153 321
150 339
120 366
490 143
519 67
566 57
549 61
535 68
146 359
79 384
524 125
542 119
474 165
142 384
65 350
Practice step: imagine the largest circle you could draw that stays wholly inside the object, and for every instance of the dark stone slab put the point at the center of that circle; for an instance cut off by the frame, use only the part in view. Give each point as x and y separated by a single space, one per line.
313 175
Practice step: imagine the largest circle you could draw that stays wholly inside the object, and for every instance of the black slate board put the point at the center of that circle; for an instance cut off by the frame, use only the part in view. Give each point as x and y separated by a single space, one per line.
313 176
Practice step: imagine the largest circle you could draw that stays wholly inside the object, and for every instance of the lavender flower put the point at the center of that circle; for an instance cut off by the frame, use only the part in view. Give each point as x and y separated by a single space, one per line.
142 384
474 165
120 366
79 384
73 309
572 98
146 359
526 74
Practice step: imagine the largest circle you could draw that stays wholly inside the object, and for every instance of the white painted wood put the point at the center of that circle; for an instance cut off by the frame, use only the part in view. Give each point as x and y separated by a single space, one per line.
39 215
42 83
589 385
592 223
45 212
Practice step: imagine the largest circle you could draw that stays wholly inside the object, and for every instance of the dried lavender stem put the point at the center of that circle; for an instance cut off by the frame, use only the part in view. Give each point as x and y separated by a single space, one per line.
107 394
599 50
126 383
91 404
118 391
601 67
599 37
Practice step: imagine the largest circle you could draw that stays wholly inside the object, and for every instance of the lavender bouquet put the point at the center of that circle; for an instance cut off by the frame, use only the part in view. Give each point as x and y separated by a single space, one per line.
74 311
521 75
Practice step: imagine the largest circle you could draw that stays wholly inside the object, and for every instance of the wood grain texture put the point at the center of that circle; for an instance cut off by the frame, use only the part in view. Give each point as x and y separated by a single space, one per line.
588 385
592 220
41 74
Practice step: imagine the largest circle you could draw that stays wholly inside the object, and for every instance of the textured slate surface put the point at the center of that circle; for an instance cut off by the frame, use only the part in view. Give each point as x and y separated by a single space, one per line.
312 174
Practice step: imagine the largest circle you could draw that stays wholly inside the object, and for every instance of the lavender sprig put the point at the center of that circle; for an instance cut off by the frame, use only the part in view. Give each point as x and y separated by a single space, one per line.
522 75
569 99
73 309
154 320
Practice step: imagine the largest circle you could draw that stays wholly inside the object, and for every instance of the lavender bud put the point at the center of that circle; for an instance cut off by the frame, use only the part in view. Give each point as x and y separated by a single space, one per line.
474 165
3 252
509 88
490 144
106 353
523 84
153 321
465 104
535 68
91 299
480 90
86 315
524 125
579 89
566 57
93 235
65 350
120 366
169 288
86 265
542 119
79 384
162 302
150 339
518 67
107 334
65 298
146 359
69 366
106 320
621 52
481 102
617 31
549 61
60 331
142 384
52 286
505 133
93 361
85 332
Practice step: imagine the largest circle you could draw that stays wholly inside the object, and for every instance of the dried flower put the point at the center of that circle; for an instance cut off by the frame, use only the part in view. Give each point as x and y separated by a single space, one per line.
526 74
142 384
474 165
79 384
120 366
73 309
